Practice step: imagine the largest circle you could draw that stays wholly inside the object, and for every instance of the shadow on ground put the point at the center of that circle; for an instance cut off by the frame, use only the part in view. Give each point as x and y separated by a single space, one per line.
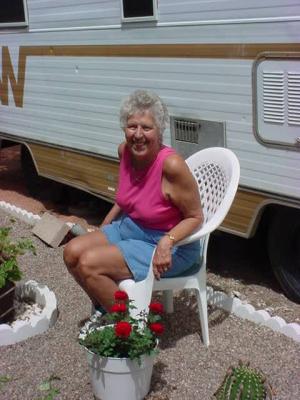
245 260
185 303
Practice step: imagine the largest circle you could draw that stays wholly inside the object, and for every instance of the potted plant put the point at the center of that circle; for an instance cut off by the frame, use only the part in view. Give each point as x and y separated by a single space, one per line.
121 354
9 269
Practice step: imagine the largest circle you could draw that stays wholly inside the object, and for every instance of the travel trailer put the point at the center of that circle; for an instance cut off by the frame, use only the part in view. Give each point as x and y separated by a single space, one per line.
229 71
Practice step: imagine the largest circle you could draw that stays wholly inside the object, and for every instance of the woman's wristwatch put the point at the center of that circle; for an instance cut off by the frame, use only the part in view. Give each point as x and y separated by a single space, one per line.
171 237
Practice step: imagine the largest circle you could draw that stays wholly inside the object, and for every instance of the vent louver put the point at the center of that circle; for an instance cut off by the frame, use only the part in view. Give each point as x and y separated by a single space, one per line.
273 97
186 131
277 106
294 98
190 134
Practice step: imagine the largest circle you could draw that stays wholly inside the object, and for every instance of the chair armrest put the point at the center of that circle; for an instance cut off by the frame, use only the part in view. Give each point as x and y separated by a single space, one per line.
207 228
200 233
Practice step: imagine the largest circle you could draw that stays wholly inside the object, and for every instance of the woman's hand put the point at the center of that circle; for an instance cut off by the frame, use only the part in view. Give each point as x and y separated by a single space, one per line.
112 214
162 259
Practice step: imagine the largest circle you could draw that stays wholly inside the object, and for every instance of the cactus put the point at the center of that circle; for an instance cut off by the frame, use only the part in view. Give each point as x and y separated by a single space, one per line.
244 383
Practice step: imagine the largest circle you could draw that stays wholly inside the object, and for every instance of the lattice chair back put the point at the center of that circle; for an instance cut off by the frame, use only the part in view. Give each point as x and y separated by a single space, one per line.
217 172
212 182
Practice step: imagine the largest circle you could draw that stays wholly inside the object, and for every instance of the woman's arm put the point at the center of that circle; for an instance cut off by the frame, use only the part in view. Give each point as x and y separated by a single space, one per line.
180 187
111 215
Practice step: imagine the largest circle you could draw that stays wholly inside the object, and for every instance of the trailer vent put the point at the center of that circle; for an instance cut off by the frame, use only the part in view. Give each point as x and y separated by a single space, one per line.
273 97
189 135
294 98
277 106
186 131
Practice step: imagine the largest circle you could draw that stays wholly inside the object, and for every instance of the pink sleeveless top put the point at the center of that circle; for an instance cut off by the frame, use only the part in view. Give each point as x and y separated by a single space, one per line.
140 196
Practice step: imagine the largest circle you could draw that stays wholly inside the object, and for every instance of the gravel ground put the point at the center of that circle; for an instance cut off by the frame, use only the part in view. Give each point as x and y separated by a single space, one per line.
184 368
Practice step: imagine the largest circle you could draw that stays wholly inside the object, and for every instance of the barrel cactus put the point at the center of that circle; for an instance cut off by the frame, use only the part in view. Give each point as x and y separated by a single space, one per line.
244 383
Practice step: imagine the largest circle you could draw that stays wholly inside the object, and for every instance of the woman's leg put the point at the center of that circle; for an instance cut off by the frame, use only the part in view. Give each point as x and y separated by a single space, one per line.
76 247
100 268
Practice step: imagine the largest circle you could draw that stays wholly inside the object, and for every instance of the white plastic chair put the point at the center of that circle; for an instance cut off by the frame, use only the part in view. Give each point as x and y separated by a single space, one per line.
217 173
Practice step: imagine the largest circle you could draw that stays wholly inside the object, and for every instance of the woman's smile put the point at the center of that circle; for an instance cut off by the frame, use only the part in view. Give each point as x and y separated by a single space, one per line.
142 136
139 146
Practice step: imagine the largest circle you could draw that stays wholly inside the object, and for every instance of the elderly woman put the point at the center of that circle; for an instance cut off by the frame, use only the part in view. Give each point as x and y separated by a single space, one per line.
157 205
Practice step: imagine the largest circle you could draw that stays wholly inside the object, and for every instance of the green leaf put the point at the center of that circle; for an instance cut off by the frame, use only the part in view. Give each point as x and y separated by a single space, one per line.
51 395
9 250
2 279
45 385
4 379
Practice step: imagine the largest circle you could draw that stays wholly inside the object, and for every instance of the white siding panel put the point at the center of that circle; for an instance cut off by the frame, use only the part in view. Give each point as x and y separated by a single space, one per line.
179 10
85 93
83 13
272 32
72 94
76 13
259 171
41 4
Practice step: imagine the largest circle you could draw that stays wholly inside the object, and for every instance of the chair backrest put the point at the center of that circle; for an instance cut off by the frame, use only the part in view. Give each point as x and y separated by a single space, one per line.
217 172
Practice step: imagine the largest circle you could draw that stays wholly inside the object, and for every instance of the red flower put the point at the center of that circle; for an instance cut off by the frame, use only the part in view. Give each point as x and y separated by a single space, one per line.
123 329
157 328
121 295
118 308
156 308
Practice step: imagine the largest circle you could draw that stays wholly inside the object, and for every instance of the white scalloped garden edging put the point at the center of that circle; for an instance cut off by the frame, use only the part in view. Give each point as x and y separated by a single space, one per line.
24 215
218 299
37 323
247 311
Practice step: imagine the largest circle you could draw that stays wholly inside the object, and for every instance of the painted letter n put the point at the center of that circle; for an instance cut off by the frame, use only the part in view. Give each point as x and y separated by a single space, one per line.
17 85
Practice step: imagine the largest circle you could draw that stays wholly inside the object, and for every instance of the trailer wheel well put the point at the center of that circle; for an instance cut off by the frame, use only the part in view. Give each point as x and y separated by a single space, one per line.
33 181
283 242
6 143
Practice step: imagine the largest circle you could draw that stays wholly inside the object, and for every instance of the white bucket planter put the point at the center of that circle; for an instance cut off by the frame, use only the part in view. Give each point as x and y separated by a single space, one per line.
115 378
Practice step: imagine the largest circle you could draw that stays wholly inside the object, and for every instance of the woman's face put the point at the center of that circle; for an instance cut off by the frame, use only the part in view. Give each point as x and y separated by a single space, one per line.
142 136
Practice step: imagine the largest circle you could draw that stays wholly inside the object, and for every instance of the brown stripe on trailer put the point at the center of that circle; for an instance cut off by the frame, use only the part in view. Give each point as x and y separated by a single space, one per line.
95 174
242 216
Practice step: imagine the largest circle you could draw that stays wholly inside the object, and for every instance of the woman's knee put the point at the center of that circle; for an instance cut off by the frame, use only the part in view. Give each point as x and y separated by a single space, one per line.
71 254
94 262
103 260
86 265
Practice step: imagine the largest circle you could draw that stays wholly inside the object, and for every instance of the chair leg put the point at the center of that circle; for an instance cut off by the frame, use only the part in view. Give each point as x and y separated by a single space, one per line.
168 300
202 309
140 292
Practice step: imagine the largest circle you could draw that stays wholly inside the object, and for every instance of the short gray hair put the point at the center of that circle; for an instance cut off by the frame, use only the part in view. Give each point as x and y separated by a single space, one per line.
143 100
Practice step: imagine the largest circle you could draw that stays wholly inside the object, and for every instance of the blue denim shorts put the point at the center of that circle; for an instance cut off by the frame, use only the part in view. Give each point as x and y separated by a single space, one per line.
137 245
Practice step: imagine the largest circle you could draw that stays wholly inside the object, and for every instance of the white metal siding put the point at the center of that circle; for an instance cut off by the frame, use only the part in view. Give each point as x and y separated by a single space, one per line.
207 10
70 95
45 14
72 13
